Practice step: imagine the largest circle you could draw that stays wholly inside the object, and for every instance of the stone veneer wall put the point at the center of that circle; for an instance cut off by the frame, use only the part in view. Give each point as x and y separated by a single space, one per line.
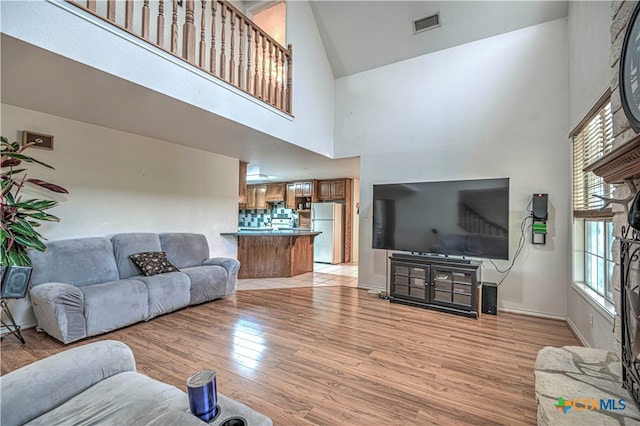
620 14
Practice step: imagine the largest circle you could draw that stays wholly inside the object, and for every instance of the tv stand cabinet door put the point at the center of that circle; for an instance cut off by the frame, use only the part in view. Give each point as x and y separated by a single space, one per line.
410 281
454 287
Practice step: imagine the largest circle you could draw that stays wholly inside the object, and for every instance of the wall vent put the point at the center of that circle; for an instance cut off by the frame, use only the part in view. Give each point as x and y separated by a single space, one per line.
427 23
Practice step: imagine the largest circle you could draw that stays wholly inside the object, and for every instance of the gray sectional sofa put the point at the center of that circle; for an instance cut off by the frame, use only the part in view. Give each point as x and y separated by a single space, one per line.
88 286
97 383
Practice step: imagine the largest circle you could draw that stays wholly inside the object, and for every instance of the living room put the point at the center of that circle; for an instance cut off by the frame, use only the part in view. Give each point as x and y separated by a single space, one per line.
141 151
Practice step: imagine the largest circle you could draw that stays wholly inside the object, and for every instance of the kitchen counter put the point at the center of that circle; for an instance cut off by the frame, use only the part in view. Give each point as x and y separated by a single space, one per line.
270 253
269 231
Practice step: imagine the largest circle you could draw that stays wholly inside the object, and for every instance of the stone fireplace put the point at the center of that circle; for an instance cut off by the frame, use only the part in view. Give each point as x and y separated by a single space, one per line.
623 163
621 168
584 373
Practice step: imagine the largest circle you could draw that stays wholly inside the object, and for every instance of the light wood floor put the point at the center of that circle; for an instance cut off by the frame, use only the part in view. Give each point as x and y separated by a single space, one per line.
323 275
338 356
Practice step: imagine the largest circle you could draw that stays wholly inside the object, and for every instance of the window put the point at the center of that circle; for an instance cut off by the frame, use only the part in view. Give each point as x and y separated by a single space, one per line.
594 228
598 262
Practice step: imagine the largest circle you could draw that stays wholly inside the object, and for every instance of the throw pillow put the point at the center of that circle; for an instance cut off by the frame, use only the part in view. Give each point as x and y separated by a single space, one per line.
153 262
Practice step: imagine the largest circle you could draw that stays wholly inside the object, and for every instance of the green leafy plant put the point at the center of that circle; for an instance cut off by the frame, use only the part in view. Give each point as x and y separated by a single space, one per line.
21 216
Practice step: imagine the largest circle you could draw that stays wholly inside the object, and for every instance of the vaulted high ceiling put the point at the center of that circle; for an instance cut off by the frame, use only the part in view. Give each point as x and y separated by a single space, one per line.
362 35
357 35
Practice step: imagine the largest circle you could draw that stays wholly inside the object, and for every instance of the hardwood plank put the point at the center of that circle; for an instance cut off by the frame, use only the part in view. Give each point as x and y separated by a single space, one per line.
335 355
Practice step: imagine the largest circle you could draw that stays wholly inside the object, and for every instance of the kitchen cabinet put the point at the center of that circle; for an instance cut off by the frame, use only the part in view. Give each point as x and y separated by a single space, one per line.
242 182
275 254
335 189
338 189
250 197
261 194
275 192
324 189
307 189
304 189
298 192
291 196
256 197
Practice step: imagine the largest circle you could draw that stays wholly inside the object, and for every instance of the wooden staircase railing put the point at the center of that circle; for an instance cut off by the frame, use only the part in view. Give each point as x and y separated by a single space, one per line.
216 37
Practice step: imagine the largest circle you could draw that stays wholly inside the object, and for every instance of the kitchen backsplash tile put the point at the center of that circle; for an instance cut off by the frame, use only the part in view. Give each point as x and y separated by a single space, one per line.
256 218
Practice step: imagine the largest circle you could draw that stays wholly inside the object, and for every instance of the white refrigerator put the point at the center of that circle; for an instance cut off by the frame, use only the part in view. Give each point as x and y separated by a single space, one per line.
328 218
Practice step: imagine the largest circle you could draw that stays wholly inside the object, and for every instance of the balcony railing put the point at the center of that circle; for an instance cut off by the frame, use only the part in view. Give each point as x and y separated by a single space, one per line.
214 36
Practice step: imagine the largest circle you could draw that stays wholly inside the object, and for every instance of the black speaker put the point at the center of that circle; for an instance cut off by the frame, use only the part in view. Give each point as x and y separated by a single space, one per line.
15 280
540 208
490 298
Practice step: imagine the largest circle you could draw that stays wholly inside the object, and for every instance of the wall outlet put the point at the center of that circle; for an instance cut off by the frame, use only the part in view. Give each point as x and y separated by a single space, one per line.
590 320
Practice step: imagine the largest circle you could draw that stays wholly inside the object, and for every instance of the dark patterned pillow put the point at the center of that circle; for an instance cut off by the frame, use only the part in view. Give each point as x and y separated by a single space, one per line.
153 262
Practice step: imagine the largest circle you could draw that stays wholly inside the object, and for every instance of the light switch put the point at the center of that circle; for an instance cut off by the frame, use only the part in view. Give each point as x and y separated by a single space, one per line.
365 213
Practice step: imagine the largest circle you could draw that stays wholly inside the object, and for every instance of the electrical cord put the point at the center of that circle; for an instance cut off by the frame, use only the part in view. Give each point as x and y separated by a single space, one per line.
521 244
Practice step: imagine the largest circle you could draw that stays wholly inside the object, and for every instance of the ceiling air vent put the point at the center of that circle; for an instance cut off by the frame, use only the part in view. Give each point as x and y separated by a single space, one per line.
427 23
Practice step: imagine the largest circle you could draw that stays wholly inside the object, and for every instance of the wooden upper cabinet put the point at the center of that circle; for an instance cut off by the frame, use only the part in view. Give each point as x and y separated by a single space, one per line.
338 189
335 189
291 196
324 189
307 189
276 192
256 197
251 197
261 194
303 189
242 182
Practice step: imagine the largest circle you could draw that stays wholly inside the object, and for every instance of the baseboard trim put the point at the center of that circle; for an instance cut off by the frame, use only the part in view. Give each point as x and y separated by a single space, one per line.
5 331
532 313
576 333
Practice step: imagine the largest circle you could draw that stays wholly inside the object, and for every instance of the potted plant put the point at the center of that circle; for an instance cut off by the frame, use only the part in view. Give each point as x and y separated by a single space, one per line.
20 216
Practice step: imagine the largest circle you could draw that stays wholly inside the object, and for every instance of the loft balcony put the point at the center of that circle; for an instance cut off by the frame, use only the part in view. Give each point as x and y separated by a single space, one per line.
65 60
211 35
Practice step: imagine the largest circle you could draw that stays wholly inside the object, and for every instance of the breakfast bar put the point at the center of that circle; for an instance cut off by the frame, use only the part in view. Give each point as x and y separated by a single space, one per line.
268 253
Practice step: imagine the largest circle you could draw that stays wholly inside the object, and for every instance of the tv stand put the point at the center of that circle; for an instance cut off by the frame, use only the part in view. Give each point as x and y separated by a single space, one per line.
438 257
435 282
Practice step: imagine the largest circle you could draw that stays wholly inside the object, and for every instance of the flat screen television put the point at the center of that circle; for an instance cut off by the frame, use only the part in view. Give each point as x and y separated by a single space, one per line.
467 218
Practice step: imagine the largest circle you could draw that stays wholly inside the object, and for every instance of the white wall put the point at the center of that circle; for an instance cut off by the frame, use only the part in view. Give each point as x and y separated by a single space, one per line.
61 28
313 94
589 77
589 46
120 182
493 108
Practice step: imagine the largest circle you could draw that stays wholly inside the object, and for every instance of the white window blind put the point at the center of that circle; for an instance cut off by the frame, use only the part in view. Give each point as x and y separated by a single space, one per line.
590 142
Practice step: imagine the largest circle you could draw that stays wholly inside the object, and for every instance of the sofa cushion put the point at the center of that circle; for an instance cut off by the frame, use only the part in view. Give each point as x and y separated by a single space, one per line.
37 388
207 283
59 310
80 262
153 263
185 250
124 245
112 305
167 292
126 398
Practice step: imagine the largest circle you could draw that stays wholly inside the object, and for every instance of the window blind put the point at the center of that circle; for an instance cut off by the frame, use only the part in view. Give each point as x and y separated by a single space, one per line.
591 141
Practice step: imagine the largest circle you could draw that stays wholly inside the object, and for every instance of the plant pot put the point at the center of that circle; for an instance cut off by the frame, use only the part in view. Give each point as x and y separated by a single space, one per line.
15 281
